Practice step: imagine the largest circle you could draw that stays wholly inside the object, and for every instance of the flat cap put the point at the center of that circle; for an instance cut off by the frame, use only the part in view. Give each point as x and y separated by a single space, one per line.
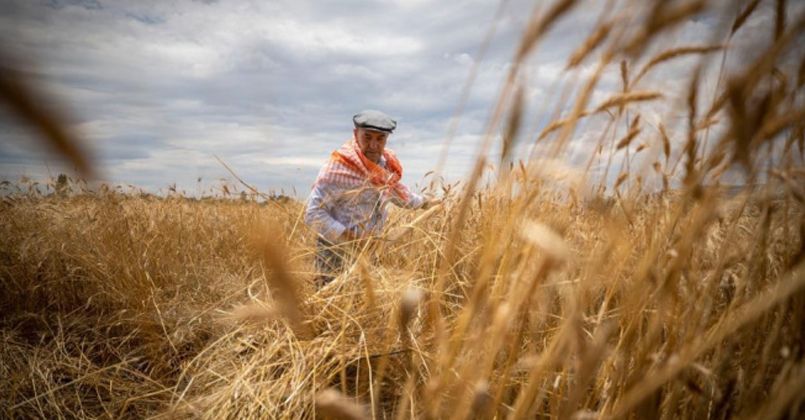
374 120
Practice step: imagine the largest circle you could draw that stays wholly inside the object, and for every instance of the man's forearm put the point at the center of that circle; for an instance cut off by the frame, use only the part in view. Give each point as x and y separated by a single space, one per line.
317 216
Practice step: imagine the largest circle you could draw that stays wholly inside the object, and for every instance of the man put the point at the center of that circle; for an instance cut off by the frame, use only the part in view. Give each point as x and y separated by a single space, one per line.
349 198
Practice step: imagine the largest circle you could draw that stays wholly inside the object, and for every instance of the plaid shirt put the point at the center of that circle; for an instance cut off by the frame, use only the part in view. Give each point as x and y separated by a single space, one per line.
335 206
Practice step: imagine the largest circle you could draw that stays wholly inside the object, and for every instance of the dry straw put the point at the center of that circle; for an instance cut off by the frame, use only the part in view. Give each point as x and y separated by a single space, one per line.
331 404
622 99
548 292
672 54
593 41
25 100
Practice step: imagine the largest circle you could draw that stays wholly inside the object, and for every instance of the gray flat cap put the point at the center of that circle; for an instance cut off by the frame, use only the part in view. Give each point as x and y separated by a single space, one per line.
374 120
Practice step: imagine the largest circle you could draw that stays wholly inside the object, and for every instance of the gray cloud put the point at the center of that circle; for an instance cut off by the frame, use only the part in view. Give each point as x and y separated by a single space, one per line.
160 88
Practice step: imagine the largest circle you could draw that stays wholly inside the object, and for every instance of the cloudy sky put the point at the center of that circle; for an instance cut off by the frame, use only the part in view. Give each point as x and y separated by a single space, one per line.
159 88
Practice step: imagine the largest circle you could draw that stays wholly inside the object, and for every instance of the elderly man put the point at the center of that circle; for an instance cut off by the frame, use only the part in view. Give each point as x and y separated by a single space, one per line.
349 198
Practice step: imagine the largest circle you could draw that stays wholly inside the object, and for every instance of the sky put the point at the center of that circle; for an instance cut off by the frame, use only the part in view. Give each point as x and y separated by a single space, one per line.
158 89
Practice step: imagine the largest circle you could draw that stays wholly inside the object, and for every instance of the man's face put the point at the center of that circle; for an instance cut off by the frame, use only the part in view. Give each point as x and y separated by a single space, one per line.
371 143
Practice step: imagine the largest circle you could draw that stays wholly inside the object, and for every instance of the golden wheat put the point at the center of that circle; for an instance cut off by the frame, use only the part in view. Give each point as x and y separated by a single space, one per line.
521 298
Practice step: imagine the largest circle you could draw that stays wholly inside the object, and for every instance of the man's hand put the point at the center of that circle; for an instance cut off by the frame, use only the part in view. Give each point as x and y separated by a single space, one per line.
429 202
350 235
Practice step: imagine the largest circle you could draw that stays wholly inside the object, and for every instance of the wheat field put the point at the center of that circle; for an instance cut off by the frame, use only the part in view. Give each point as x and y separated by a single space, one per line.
661 290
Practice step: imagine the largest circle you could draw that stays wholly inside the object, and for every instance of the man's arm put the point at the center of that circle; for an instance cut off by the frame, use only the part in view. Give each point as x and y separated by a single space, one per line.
415 201
317 214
